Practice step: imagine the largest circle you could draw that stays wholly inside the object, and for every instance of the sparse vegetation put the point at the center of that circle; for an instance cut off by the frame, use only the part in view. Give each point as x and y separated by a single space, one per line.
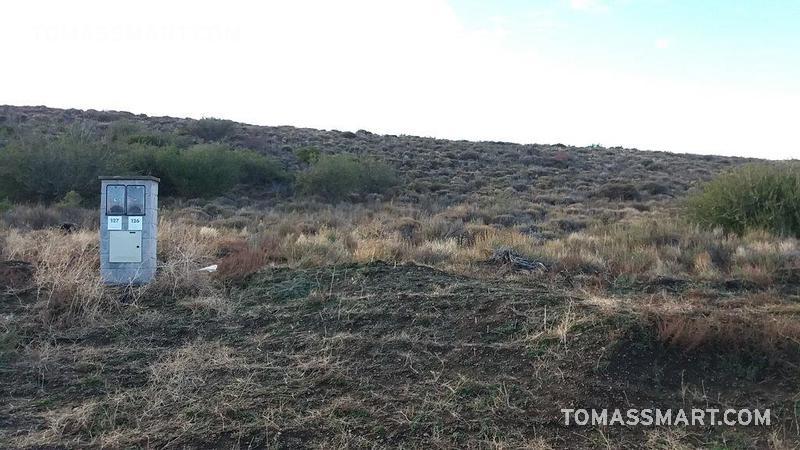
619 192
212 129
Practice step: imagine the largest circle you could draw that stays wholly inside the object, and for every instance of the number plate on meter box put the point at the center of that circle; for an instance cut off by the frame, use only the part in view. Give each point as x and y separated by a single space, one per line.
114 222
134 223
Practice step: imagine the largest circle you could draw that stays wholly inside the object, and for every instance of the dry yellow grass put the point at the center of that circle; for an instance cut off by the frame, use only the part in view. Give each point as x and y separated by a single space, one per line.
644 246
67 282
66 279
68 285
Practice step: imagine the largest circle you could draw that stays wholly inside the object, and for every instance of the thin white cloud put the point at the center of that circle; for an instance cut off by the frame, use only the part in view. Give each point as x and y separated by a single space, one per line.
663 43
588 5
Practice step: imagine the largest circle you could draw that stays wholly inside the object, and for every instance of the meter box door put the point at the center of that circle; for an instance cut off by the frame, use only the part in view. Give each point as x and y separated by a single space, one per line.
128 229
125 246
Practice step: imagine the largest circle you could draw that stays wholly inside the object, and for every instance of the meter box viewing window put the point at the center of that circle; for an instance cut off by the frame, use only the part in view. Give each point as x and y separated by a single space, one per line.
134 200
128 229
115 199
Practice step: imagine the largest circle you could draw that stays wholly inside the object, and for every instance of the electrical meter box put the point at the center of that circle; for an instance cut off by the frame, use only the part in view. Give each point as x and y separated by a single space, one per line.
128 229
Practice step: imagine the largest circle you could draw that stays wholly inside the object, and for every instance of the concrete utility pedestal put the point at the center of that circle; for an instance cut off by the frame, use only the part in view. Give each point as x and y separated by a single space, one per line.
128 229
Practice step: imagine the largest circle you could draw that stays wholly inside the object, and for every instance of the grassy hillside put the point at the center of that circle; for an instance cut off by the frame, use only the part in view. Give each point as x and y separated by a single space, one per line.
435 169
545 190
495 285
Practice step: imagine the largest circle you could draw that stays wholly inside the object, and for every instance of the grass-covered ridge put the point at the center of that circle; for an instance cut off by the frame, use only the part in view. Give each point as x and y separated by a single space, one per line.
195 161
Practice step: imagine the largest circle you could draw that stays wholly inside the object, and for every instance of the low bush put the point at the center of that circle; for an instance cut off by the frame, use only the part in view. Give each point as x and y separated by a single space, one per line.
36 169
31 217
203 170
39 217
120 130
336 177
753 197
196 172
155 140
241 262
211 129
308 155
619 192
259 170
71 199
655 188
39 169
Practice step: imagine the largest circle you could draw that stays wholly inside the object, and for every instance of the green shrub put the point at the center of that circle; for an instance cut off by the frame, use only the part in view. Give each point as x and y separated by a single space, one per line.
258 170
202 170
64 168
6 132
154 140
655 188
618 191
34 168
157 139
752 197
211 129
308 155
335 177
71 199
121 129
5 205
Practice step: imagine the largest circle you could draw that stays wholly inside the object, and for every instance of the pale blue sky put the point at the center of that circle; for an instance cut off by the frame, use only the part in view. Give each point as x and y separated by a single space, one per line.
703 76
711 41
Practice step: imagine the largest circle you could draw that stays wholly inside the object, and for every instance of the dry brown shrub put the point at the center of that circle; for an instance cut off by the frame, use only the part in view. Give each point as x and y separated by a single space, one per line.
759 275
682 332
228 247
240 263
703 262
730 331
408 228
438 228
435 252
66 278
477 232
182 250
378 249
463 213
327 247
